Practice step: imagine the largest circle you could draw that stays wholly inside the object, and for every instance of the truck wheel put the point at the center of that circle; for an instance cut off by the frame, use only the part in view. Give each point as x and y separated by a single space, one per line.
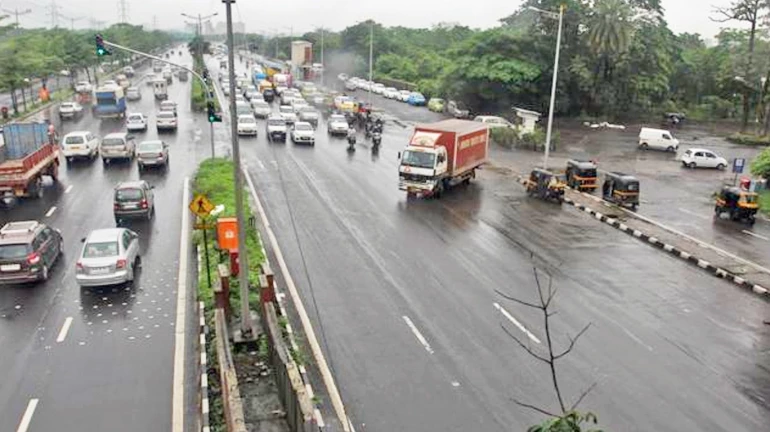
36 188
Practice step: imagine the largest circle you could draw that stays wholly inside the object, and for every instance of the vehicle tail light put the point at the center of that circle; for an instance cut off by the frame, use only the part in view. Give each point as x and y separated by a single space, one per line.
160 155
143 203
116 206
33 258
79 266
121 264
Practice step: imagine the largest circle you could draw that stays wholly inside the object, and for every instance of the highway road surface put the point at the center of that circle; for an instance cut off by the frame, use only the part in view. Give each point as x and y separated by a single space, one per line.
101 359
403 296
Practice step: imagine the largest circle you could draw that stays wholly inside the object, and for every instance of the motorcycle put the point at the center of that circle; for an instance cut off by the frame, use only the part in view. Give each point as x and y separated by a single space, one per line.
351 142
376 139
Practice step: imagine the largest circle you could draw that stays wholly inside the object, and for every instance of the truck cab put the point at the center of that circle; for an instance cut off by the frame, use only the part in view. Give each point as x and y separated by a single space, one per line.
442 154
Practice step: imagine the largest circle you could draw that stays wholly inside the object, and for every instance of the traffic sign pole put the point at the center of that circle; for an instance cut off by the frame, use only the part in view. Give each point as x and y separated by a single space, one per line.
206 251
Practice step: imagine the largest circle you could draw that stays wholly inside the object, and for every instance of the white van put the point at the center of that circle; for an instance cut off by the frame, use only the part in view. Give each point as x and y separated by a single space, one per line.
159 87
659 139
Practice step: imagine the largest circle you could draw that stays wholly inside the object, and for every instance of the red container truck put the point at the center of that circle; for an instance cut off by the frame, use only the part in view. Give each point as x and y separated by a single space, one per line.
26 155
442 154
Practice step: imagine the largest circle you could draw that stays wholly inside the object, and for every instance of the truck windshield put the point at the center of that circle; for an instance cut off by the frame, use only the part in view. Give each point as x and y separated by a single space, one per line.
418 159
105 100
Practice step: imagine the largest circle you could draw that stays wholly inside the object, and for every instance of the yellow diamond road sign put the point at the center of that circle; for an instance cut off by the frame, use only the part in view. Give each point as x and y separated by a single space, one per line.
201 206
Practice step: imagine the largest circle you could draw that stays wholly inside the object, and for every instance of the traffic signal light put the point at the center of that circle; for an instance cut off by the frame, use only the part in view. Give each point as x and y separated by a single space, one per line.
100 49
213 116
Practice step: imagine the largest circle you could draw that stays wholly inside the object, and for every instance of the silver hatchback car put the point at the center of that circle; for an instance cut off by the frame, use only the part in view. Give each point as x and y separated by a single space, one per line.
109 257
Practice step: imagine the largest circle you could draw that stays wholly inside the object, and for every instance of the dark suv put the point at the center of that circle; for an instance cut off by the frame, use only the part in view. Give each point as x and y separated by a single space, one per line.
28 250
133 199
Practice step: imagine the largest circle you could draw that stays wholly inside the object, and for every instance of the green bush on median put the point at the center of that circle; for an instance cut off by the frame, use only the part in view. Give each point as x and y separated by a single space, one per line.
509 138
214 179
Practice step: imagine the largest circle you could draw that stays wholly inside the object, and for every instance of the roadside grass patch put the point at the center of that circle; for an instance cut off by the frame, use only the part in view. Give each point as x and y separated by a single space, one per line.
746 139
214 179
764 202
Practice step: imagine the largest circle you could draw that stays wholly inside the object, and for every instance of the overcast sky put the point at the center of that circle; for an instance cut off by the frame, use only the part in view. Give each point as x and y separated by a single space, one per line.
280 16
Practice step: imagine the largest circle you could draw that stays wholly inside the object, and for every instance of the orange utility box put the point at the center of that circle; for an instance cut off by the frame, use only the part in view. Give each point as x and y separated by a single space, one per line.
227 234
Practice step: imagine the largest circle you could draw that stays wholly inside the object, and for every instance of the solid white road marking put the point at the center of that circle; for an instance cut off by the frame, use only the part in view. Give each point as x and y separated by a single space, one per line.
417 334
516 323
64 329
323 366
756 235
69 189
50 211
27 418
177 416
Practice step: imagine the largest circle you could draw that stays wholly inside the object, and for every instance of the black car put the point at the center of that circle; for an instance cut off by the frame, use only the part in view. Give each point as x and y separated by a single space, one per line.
28 250
269 95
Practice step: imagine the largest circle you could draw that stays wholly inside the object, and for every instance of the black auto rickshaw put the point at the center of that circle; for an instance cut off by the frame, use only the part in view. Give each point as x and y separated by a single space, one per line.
581 175
740 204
621 189
546 185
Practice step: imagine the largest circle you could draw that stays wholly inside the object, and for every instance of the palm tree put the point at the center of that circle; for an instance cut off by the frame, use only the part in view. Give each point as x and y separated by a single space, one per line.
610 30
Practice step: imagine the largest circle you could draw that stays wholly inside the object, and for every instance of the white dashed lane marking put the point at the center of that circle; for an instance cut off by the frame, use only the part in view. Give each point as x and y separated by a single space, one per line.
27 418
64 329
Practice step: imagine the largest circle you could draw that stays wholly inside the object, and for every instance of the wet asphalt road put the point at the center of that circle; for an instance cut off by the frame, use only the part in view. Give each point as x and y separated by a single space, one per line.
113 370
670 347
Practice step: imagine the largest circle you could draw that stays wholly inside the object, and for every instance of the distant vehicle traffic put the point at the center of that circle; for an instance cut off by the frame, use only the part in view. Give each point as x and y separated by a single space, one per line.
247 125
119 145
276 128
303 133
70 110
165 120
442 154
494 121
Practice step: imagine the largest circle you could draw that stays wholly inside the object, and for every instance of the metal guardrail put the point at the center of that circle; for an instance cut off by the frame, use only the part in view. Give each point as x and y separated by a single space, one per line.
231 396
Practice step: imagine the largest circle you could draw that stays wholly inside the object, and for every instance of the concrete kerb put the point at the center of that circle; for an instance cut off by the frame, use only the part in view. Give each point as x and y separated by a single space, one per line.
204 379
686 256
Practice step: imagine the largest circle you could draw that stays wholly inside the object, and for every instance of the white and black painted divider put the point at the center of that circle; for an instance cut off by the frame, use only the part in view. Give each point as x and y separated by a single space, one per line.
205 426
684 255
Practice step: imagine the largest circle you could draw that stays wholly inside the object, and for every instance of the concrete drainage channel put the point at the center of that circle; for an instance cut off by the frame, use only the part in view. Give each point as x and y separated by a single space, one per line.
717 264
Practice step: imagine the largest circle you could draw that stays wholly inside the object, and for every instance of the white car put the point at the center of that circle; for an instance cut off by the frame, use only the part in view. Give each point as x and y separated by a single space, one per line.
280 89
70 110
304 133
247 125
133 93
288 114
297 104
378 88
226 90
149 78
390 92
80 144
260 108
136 122
342 77
351 85
165 120
337 125
702 158
168 105
83 87
403 95
493 121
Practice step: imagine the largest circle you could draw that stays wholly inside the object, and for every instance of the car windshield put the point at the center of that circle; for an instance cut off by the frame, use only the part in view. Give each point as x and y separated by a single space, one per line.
135 118
165 115
276 122
67 105
13 251
418 159
337 118
101 250
307 110
128 194
286 110
151 146
439 101
260 104
112 142
168 105
247 120
74 139
303 127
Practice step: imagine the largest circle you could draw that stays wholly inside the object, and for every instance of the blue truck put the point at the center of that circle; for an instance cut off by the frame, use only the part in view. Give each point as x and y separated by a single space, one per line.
110 102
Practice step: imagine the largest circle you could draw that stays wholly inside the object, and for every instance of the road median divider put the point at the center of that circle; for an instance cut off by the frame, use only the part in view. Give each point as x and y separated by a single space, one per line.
719 263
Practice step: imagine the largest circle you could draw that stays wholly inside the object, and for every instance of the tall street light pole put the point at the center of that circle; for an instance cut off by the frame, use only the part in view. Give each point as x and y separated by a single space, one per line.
323 69
243 258
549 128
371 52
